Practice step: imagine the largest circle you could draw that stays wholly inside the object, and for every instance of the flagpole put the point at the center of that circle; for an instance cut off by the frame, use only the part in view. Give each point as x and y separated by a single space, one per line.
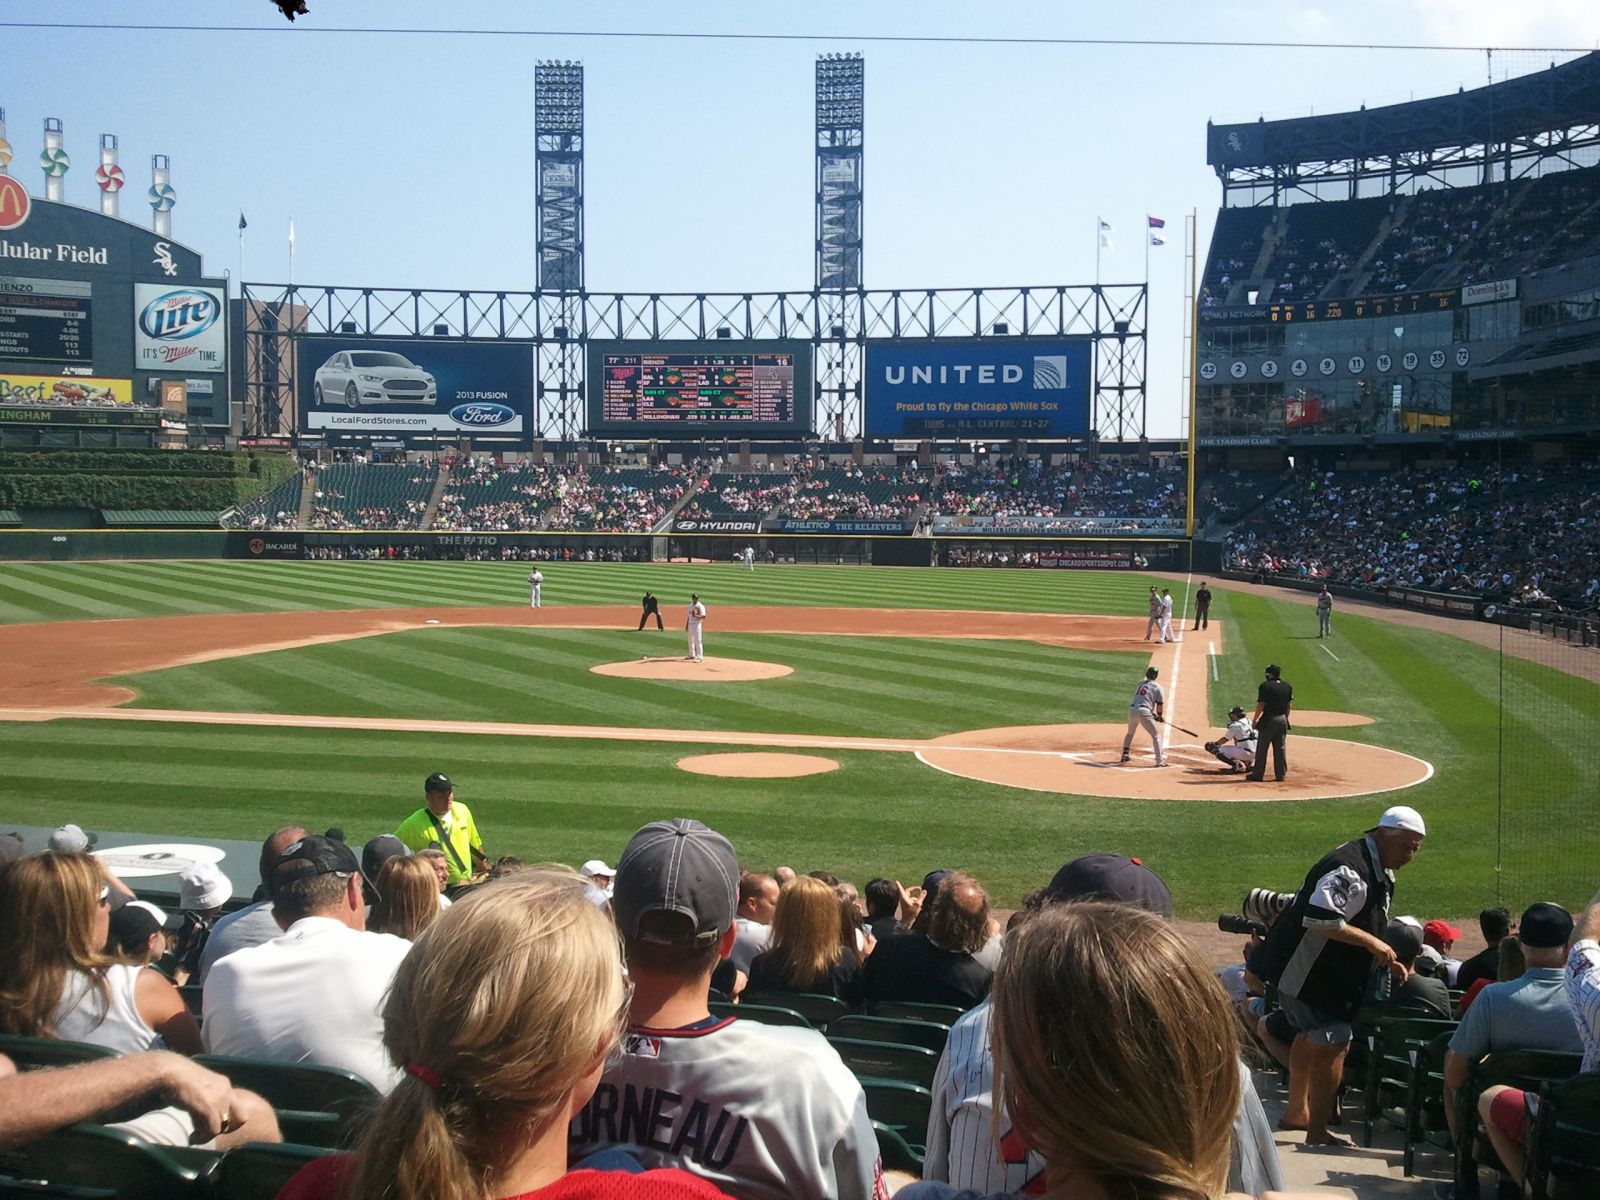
1147 259
1099 240
291 252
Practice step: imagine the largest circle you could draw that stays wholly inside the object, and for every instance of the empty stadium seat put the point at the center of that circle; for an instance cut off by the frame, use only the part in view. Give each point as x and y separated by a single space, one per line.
887 1060
92 1161
927 1034
767 1014
258 1171
818 1009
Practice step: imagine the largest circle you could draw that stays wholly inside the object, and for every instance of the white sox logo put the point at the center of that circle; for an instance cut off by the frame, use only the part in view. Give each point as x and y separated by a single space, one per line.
163 258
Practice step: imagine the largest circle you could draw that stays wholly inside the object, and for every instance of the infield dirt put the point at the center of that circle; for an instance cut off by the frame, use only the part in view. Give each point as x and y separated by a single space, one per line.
57 666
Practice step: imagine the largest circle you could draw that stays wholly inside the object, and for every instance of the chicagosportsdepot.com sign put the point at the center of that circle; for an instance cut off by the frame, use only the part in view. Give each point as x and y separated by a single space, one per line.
401 386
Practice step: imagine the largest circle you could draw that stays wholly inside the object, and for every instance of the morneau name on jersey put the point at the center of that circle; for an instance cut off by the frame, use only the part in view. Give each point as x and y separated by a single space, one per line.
645 1116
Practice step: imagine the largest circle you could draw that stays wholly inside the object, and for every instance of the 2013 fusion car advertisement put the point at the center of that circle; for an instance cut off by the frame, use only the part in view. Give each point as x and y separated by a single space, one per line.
414 386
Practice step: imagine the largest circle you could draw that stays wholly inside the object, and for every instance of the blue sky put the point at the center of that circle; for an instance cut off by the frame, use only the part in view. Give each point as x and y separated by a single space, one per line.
408 160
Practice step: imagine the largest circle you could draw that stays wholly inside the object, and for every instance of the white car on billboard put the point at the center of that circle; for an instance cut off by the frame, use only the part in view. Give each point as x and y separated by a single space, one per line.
362 378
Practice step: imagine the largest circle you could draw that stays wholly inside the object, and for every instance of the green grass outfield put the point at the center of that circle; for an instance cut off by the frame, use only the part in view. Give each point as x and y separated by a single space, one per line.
1434 695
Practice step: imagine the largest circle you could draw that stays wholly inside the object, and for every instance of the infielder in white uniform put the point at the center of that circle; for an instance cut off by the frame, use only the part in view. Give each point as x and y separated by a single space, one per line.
763 1112
1237 746
749 558
1153 626
697 618
536 588
1166 615
1149 705
1324 613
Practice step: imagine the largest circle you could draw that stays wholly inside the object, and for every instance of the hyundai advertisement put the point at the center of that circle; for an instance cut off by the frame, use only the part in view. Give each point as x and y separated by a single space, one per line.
414 387
1018 387
179 328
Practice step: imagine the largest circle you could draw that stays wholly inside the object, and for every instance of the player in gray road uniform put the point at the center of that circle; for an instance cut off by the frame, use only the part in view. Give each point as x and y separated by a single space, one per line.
1324 613
1154 624
1148 707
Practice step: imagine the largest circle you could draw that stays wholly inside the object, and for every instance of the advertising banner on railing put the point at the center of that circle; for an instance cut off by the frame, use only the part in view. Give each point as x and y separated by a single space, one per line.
400 387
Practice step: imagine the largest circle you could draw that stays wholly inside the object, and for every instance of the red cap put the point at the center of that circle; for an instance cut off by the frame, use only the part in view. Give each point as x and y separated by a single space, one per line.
1435 933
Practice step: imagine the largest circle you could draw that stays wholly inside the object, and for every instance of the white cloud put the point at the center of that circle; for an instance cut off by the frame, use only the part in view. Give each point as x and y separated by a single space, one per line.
1311 23
1573 23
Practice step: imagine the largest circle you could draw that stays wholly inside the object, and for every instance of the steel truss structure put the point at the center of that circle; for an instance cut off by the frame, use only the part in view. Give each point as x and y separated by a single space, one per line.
558 326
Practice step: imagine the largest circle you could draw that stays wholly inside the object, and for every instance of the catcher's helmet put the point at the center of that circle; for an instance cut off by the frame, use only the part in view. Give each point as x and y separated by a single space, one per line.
1235 713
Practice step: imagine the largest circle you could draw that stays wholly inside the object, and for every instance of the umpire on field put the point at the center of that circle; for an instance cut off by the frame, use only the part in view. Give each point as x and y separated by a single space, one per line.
1274 699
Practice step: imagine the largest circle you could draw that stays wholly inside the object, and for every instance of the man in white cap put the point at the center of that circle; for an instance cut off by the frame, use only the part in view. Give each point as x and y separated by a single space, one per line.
202 891
1320 953
598 873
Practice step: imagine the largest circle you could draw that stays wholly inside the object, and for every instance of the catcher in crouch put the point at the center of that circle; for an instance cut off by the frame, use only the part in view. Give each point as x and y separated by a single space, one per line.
1237 746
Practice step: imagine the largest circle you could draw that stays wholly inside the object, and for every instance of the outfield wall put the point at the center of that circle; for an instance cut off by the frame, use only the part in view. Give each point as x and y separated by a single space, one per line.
66 545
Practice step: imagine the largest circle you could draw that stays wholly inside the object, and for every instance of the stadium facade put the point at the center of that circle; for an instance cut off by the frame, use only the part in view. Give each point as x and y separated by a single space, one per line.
1406 276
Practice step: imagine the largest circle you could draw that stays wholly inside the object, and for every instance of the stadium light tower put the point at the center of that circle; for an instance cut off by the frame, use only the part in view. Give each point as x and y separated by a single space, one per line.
841 90
840 106
558 148
558 133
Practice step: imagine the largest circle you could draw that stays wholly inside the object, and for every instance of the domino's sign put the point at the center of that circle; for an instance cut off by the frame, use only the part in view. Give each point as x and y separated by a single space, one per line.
1011 387
179 328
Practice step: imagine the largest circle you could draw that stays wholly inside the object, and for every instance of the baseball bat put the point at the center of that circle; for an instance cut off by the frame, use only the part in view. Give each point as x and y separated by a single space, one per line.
1179 728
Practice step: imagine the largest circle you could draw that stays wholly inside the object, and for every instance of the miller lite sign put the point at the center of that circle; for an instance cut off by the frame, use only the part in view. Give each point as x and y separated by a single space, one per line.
179 328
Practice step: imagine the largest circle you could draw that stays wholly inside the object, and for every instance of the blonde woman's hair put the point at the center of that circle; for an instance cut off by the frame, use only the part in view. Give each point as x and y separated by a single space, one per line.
805 943
1116 1051
502 1007
46 933
408 898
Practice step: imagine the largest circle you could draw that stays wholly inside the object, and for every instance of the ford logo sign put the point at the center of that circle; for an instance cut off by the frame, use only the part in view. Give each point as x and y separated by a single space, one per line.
482 415
178 315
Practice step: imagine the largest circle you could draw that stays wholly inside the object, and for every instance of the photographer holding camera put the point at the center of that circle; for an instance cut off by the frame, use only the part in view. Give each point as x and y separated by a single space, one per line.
1320 953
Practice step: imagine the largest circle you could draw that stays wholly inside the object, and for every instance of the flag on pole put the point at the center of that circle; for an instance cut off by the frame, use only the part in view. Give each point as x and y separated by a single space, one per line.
1105 234
243 224
1155 222
1156 239
291 231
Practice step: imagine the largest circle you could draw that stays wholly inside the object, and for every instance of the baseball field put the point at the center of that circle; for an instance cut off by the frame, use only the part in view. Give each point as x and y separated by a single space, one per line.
867 720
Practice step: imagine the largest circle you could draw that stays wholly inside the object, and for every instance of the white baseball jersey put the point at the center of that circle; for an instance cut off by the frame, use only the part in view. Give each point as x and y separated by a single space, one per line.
1148 696
697 613
1242 733
961 1143
536 578
762 1111
1166 607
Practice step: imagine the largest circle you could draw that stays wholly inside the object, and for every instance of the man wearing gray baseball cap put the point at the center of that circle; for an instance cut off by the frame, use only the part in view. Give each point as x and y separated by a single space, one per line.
697 1092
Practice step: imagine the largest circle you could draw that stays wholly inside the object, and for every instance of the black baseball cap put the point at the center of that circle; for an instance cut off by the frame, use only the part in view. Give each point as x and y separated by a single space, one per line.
1151 672
1111 877
1544 926
313 855
1274 670
379 851
677 866
438 784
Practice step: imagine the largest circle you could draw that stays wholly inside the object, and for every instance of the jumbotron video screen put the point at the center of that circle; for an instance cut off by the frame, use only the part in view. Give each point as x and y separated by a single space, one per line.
683 389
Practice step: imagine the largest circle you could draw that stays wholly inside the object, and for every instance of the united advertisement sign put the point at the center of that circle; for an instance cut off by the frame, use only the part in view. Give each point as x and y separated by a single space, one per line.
414 386
1019 387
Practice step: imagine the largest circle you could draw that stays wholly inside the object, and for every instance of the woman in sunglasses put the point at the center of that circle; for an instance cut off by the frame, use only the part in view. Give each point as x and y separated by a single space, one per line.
56 979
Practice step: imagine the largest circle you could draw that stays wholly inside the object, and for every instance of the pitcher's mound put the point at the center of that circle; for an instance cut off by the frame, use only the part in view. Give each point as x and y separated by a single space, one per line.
709 670
758 766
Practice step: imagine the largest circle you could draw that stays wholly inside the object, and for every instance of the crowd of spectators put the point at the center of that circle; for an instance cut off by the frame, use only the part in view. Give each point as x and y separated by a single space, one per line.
466 990
484 495
1437 226
808 488
1528 534
1032 488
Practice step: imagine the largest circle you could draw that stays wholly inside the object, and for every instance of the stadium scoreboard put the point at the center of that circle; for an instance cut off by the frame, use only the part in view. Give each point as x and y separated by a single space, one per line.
45 320
717 388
